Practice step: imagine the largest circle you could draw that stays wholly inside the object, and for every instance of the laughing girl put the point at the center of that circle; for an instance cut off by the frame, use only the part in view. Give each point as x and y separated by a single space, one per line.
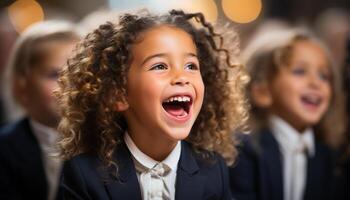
149 105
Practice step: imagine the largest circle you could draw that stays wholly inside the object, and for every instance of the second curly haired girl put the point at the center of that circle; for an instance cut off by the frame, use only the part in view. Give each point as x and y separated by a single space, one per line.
148 107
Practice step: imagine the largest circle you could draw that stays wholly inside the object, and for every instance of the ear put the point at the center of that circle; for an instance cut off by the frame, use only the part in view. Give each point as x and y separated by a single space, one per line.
121 106
261 95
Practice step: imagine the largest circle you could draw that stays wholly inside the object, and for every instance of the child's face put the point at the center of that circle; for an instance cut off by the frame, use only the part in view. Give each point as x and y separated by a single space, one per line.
164 86
301 92
39 85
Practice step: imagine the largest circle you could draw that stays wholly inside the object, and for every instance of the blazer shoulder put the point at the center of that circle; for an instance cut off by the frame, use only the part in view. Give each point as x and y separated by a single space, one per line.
81 177
207 159
17 137
14 130
208 169
83 163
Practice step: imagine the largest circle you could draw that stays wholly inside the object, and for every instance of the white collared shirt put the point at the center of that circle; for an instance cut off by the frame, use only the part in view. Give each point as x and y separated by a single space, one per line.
47 139
295 148
171 161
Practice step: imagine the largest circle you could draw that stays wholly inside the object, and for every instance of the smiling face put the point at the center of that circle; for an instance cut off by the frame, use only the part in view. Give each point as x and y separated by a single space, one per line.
301 92
164 86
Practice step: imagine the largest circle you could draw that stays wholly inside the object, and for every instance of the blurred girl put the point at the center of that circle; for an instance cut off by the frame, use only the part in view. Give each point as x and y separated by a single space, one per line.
296 107
27 168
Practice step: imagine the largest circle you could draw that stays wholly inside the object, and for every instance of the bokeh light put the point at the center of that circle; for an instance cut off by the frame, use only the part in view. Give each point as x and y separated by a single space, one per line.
207 7
23 13
242 11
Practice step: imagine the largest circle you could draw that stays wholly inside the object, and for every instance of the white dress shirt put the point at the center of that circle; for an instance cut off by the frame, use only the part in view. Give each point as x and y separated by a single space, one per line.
295 148
140 158
47 138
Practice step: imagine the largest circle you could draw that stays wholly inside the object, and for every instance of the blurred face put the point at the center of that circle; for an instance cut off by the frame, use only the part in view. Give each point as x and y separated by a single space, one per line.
165 88
37 94
301 92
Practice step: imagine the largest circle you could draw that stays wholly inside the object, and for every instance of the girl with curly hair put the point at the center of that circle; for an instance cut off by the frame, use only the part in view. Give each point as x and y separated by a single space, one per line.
297 114
149 105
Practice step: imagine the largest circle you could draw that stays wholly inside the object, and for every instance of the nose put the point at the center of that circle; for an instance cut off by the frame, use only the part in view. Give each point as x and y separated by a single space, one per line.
179 77
314 80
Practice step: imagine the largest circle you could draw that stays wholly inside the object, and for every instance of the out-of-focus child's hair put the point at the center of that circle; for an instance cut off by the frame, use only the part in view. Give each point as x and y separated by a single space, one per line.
270 51
96 78
28 52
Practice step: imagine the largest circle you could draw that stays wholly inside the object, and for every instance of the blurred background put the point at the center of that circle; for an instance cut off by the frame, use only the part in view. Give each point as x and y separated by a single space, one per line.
328 18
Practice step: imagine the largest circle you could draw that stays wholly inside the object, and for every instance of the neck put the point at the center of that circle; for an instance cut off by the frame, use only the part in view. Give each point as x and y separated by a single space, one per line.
156 148
294 123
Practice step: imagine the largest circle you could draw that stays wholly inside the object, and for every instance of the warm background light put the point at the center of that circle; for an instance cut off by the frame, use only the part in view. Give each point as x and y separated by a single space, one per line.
23 13
242 11
207 7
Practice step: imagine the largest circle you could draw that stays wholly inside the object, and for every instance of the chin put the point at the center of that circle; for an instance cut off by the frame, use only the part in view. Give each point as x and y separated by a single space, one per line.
311 121
177 135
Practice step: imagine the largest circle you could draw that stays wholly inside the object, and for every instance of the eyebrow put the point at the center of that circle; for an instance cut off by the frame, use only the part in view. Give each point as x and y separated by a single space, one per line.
165 55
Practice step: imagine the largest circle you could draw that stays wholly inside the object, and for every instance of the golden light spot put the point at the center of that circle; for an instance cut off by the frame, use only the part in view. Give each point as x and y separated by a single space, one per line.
23 13
242 11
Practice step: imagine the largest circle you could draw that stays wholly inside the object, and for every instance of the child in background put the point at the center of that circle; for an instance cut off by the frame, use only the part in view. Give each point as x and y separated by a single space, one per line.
296 108
148 110
27 168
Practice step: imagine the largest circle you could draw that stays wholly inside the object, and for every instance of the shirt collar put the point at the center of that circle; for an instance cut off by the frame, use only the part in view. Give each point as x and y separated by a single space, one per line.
46 136
289 138
171 160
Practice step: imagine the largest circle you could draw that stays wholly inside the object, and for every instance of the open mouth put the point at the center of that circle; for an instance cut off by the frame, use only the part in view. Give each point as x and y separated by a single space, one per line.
311 100
178 106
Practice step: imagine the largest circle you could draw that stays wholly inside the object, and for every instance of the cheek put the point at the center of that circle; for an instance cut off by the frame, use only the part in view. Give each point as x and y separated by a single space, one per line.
200 89
143 89
328 93
46 89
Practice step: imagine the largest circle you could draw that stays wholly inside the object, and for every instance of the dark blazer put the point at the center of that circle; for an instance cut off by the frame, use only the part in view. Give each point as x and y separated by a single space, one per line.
84 177
22 174
257 174
342 179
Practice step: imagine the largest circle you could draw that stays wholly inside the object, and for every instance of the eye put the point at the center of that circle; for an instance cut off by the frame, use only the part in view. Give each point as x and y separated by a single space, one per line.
324 76
53 75
191 66
159 66
298 71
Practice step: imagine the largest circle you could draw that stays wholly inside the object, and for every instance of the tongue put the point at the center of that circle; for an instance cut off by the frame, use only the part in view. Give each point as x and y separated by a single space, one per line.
175 110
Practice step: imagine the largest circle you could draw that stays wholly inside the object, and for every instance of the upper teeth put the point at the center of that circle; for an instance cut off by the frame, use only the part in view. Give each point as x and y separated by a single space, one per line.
179 99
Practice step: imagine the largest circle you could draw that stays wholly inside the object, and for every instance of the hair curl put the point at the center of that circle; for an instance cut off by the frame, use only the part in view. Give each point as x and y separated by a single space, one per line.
95 79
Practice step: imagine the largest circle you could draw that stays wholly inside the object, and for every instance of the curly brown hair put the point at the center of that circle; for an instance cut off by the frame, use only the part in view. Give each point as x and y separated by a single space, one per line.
95 78
265 56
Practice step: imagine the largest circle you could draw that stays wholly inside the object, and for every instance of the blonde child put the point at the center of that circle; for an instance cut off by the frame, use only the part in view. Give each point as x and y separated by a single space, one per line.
296 107
27 168
148 110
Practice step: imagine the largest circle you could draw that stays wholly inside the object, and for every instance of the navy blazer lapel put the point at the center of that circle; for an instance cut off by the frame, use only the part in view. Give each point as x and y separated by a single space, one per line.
319 174
125 185
271 167
189 182
312 174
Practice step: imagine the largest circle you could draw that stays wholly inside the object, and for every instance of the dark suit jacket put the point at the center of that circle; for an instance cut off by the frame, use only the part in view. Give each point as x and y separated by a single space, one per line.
257 174
84 177
22 174
342 179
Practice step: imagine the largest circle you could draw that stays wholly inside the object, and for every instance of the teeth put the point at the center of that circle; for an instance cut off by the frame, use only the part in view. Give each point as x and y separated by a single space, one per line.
179 99
312 99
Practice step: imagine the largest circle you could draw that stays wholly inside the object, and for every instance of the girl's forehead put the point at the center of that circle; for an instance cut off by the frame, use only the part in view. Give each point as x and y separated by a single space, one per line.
160 27
163 33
